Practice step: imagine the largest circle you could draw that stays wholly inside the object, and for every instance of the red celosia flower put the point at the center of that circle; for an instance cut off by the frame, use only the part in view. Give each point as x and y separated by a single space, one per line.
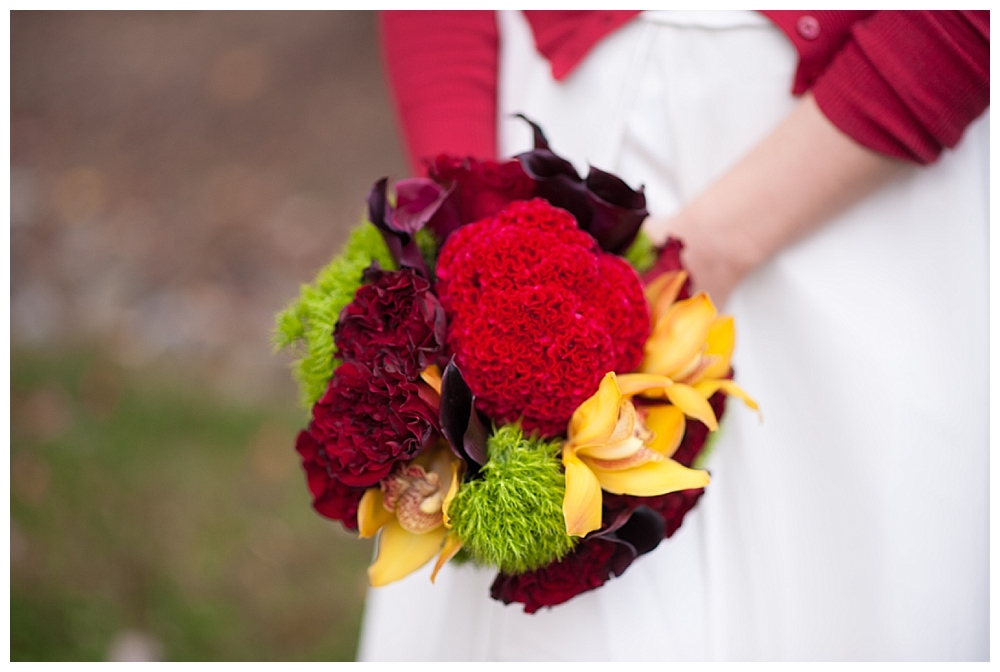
588 566
331 498
481 188
366 422
393 316
537 313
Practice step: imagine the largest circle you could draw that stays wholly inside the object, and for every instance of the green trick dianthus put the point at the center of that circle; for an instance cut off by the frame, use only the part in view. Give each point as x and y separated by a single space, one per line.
307 323
512 517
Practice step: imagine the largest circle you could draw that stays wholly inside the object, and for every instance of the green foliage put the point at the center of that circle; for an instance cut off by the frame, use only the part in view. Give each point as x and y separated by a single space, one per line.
641 253
428 244
307 324
512 517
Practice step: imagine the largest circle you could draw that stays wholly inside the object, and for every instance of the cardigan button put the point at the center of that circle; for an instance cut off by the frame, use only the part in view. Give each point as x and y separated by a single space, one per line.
808 27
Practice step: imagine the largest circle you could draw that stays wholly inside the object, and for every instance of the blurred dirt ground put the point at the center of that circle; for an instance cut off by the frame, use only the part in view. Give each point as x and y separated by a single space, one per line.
174 177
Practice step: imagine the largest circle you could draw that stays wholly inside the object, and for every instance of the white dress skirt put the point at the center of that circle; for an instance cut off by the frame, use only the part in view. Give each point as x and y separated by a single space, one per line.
853 523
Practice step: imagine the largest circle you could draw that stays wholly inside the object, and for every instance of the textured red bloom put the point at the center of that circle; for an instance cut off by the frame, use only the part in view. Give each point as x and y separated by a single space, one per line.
588 566
394 320
366 422
331 498
537 313
482 188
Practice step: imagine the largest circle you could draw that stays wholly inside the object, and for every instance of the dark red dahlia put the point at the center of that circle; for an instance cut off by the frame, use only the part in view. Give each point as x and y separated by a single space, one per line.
537 313
331 498
588 566
366 422
481 188
394 316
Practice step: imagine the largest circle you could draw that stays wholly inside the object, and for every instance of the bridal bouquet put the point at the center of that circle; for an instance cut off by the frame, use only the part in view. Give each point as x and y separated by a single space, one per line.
503 370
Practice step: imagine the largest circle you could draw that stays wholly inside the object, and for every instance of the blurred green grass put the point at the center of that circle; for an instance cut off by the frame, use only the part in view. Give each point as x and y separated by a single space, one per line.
142 505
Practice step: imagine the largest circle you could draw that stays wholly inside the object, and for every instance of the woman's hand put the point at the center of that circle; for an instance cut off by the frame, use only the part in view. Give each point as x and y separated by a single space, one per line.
794 180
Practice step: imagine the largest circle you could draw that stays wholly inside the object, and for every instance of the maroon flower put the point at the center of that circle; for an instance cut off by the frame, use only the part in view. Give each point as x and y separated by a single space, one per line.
394 320
588 566
366 422
669 259
331 498
480 188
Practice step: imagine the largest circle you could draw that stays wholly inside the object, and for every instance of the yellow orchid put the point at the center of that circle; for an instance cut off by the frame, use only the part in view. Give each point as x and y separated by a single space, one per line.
610 446
692 346
411 510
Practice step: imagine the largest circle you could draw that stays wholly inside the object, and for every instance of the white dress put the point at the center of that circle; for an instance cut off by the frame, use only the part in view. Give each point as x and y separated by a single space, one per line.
853 524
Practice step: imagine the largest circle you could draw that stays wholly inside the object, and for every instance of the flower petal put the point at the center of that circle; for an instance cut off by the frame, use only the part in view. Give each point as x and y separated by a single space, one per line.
693 404
679 335
667 424
663 291
372 514
432 376
707 388
582 501
641 383
652 479
594 421
612 451
720 341
400 553
452 545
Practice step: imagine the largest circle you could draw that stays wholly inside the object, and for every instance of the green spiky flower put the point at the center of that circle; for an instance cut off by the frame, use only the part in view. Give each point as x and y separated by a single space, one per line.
307 323
512 518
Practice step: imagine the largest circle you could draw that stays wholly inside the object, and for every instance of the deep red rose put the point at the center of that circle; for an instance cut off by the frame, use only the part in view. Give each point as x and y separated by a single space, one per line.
366 422
395 317
481 188
331 498
538 314
587 567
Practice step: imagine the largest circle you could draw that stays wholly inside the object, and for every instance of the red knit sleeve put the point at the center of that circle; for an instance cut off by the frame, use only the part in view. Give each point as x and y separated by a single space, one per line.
907 83
442 70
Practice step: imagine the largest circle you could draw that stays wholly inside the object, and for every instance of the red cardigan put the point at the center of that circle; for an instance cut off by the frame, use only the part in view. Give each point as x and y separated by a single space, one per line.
903 83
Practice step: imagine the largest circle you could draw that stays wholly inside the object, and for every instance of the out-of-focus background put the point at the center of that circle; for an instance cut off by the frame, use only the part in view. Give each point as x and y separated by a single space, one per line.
175 176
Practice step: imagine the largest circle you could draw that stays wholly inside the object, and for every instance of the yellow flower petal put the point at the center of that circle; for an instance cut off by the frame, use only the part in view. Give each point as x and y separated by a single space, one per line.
632 384
400 553
452 545
582 501
709 387
594 421
720 342
693 404
667 424
432 376
612 451
679 335
652 479
372 514
663 291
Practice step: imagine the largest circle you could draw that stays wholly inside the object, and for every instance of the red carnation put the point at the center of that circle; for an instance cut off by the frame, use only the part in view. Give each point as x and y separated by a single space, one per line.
537 313
393 316
366 422
331 498
481 188
589 566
